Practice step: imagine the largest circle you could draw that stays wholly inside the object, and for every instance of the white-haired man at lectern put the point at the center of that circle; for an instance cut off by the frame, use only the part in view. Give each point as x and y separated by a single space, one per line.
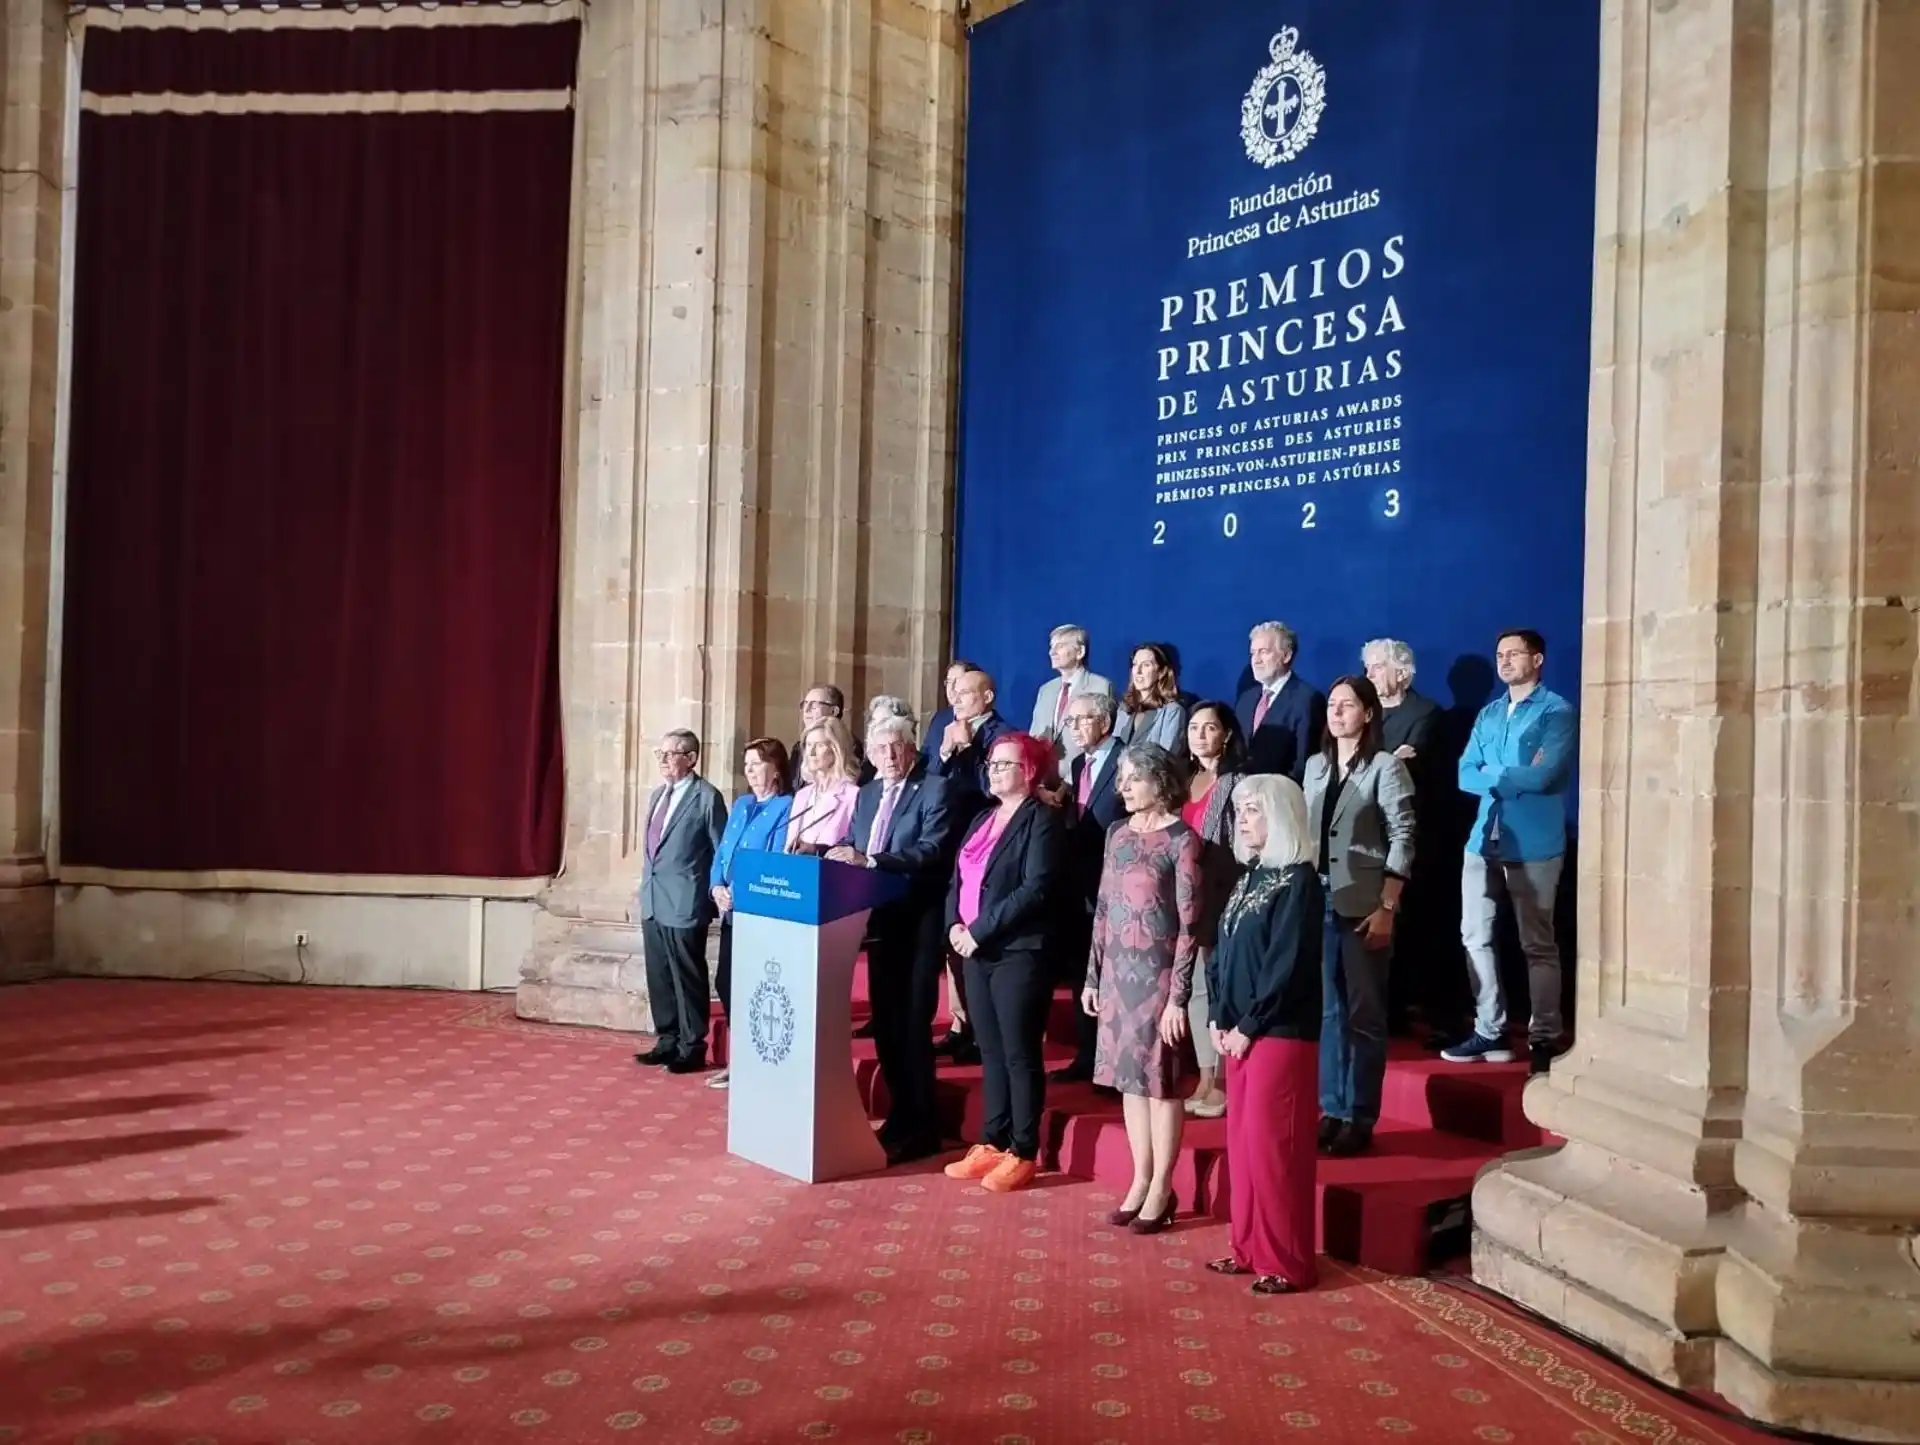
902 824
1067 655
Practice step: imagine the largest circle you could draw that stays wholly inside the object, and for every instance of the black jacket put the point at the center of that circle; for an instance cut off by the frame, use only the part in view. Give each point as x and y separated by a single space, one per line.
1264 974
1026 877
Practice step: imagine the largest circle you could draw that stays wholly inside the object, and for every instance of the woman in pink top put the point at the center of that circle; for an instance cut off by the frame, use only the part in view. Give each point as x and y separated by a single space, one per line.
1011 869
822 815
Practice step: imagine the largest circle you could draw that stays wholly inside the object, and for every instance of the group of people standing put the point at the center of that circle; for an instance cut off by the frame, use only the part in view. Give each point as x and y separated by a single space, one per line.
1220 883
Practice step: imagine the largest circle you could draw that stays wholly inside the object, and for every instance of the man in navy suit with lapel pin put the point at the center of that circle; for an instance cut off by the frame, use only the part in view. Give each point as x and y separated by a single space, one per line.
902 824
1281 714
1096 806
685 817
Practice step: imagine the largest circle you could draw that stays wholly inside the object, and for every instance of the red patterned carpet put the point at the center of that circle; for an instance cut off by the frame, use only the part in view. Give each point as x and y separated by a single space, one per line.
241 1214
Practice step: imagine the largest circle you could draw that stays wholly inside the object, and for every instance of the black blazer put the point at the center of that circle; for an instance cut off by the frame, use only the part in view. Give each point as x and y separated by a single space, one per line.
966 770
1263 976
920 835
1290 732
1024 877
1089 826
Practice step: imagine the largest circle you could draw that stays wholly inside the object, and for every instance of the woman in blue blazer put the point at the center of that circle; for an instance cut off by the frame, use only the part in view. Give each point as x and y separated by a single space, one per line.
758 823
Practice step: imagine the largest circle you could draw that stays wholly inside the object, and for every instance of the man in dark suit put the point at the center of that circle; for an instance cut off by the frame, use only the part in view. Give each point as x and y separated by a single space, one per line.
961 759
1095 806
937 724
902 824
1426 973
1281 715
823 701
685 817
966 742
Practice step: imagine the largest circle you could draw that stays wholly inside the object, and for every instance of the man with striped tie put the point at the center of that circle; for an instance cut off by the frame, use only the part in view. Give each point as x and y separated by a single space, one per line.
685 817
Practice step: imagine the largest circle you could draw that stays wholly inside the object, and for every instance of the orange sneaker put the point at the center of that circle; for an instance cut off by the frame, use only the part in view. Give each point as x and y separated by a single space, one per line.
1011 1173
978 1162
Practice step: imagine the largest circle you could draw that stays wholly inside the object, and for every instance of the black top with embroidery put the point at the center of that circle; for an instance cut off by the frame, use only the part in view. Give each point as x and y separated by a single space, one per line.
1264 974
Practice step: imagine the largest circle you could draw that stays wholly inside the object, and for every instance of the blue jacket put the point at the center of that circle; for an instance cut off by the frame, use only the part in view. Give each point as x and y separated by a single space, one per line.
1521 767
755 826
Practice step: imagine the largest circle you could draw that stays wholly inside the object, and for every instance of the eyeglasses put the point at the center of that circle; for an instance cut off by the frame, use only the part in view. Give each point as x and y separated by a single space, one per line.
996 764
662 754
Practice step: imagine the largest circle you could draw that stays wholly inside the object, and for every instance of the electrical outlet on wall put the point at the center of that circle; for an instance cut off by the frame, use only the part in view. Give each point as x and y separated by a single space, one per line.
300 938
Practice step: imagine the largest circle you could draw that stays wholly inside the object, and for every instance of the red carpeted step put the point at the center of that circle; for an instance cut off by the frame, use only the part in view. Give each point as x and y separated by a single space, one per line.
1475 1101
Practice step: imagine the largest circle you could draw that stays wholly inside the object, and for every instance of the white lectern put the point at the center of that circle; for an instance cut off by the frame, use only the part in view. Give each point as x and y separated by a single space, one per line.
792 1103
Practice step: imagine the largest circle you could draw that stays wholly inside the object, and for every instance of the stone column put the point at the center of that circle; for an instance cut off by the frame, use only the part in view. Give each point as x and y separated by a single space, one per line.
32 175
761 496
1736 1203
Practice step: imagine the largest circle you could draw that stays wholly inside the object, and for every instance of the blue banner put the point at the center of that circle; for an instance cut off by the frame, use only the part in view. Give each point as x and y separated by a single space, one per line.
1277 310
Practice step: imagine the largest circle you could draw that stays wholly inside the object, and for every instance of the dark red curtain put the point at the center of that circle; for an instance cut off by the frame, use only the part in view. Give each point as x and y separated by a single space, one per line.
312 556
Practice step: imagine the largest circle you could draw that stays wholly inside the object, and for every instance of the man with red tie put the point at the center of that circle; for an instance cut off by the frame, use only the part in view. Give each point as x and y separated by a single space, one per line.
1067 654
1281 714
1096 806
685 818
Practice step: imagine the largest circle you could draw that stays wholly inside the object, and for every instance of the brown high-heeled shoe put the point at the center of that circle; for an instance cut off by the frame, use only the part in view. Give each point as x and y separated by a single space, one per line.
1149 1224
1121 1218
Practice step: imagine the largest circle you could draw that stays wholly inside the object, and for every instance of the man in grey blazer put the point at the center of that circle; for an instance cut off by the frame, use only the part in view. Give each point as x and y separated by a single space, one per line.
1067 654
685 816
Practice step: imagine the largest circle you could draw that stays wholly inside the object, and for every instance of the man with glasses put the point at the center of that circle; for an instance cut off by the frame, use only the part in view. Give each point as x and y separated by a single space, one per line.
1519 762
822 701
1096 807
685 816
1067 655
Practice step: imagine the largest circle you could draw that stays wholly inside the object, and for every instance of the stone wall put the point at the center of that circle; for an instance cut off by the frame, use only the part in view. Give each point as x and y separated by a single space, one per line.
33 169
764 475
1738 1200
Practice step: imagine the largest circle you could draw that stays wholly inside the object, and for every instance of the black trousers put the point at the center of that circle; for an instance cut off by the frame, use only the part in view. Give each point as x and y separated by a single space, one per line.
723 974
905 958
677 986
1010 997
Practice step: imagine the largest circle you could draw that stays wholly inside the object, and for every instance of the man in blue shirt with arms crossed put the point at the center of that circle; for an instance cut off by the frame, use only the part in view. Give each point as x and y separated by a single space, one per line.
1519 761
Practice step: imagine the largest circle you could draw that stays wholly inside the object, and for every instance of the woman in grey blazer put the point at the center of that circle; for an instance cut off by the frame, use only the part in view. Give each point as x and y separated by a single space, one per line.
1360 806
1153 710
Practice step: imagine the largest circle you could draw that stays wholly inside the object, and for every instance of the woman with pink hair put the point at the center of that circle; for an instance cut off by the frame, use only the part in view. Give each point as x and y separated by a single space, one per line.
1011 868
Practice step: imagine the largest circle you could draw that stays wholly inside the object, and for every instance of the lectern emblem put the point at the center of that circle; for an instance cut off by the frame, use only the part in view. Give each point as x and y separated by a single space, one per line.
1281 113
770 1018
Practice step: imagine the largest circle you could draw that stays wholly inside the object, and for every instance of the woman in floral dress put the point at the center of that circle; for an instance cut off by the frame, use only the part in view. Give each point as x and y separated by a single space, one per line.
1140 973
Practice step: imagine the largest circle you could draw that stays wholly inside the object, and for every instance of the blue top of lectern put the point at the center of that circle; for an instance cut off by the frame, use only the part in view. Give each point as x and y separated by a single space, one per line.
802 888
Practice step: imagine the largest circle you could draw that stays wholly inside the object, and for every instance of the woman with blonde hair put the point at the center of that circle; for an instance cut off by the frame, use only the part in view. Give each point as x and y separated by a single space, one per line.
1264 986
822 815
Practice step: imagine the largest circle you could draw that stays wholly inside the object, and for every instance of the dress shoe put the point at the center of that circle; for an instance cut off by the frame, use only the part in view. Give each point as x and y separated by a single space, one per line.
1157 1223
688 1064
910 1151
865 1031
1351 1140
656 1057
1073 1073
953 1043
977 1163
1211 1106
1330 1128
